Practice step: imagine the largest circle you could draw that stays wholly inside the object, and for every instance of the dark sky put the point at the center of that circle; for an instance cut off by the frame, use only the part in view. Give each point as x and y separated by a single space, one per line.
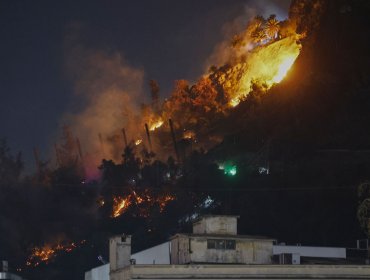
167 39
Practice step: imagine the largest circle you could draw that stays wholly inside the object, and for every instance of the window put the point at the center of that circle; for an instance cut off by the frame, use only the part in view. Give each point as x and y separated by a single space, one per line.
230 244
211 244
221 244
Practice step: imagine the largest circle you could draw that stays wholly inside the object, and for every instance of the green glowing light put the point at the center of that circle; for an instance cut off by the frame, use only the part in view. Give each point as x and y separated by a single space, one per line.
230 170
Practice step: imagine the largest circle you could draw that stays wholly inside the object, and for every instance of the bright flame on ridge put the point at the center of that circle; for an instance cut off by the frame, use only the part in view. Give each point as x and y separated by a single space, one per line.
266 65
156 125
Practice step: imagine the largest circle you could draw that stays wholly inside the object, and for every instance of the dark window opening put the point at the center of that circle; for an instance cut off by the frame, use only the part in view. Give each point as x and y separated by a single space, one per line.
230 244
221 244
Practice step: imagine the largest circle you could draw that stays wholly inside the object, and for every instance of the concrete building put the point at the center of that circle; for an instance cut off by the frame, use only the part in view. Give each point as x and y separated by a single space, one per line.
215 240
159 254
293 254
214 250
5 274
98 273
252 272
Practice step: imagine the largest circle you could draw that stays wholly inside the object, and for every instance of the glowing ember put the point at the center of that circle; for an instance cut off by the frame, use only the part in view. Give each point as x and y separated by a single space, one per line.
234 102
120 205
49 252
146 200
188 134
138 142
156 125
164 201
101 202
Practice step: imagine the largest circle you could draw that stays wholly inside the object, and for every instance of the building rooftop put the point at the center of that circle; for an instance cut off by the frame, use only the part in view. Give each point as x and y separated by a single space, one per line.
214 216
215 235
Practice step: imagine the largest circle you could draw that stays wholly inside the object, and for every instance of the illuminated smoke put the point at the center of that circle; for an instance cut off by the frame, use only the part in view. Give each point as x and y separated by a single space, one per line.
108 92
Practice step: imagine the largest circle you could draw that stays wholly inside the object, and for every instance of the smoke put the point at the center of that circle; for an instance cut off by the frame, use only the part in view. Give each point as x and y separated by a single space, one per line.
107 92
223 52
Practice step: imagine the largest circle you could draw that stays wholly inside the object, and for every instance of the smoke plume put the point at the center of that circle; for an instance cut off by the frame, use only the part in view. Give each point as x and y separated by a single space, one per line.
223 52
108 92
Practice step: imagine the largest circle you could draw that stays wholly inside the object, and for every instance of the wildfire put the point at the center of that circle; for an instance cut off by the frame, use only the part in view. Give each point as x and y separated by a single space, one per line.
266 65
283 69
120 205
188 134
157 124
164 200
146 199
49 252
138 142
234 102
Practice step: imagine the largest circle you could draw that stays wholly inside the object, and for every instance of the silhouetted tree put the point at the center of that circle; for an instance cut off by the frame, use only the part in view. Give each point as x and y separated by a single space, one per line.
272 27
363 210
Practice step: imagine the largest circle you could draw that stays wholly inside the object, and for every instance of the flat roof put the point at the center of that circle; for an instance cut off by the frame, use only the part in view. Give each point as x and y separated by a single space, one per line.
214 216
236 236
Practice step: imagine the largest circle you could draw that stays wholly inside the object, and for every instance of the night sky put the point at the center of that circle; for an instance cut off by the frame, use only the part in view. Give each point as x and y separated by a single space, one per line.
166 39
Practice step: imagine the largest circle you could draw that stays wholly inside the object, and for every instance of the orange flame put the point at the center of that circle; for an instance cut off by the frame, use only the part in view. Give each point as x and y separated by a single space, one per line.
157 124
267 65
188 134
49 252
121 205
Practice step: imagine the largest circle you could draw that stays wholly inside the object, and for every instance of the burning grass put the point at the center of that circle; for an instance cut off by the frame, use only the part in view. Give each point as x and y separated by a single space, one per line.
49 252
146 200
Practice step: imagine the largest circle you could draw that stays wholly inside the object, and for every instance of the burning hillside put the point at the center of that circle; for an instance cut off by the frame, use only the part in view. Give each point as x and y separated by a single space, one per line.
48 252
265 66
146 200
217 108
260 57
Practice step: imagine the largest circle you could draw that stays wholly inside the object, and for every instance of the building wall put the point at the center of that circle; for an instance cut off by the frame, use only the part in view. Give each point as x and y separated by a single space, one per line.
216 225
159 254
308 251
328 272
9 276
191 249
180 250
98 273
119 251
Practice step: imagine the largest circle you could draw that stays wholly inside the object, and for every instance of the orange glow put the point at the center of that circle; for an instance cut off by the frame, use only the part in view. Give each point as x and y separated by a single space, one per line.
146 200
234 102
120 205
188 134
138 142
163 201
266 65
284 68
49 252
157 124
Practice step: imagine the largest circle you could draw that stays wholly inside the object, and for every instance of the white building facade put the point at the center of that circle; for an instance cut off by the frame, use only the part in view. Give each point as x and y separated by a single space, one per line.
215 251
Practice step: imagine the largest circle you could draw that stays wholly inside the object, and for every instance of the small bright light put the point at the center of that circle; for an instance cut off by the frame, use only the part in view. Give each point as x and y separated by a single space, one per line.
232 171
228 169
234 102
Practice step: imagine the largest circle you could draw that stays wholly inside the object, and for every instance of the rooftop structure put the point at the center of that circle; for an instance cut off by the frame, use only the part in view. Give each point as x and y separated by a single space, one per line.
215 250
